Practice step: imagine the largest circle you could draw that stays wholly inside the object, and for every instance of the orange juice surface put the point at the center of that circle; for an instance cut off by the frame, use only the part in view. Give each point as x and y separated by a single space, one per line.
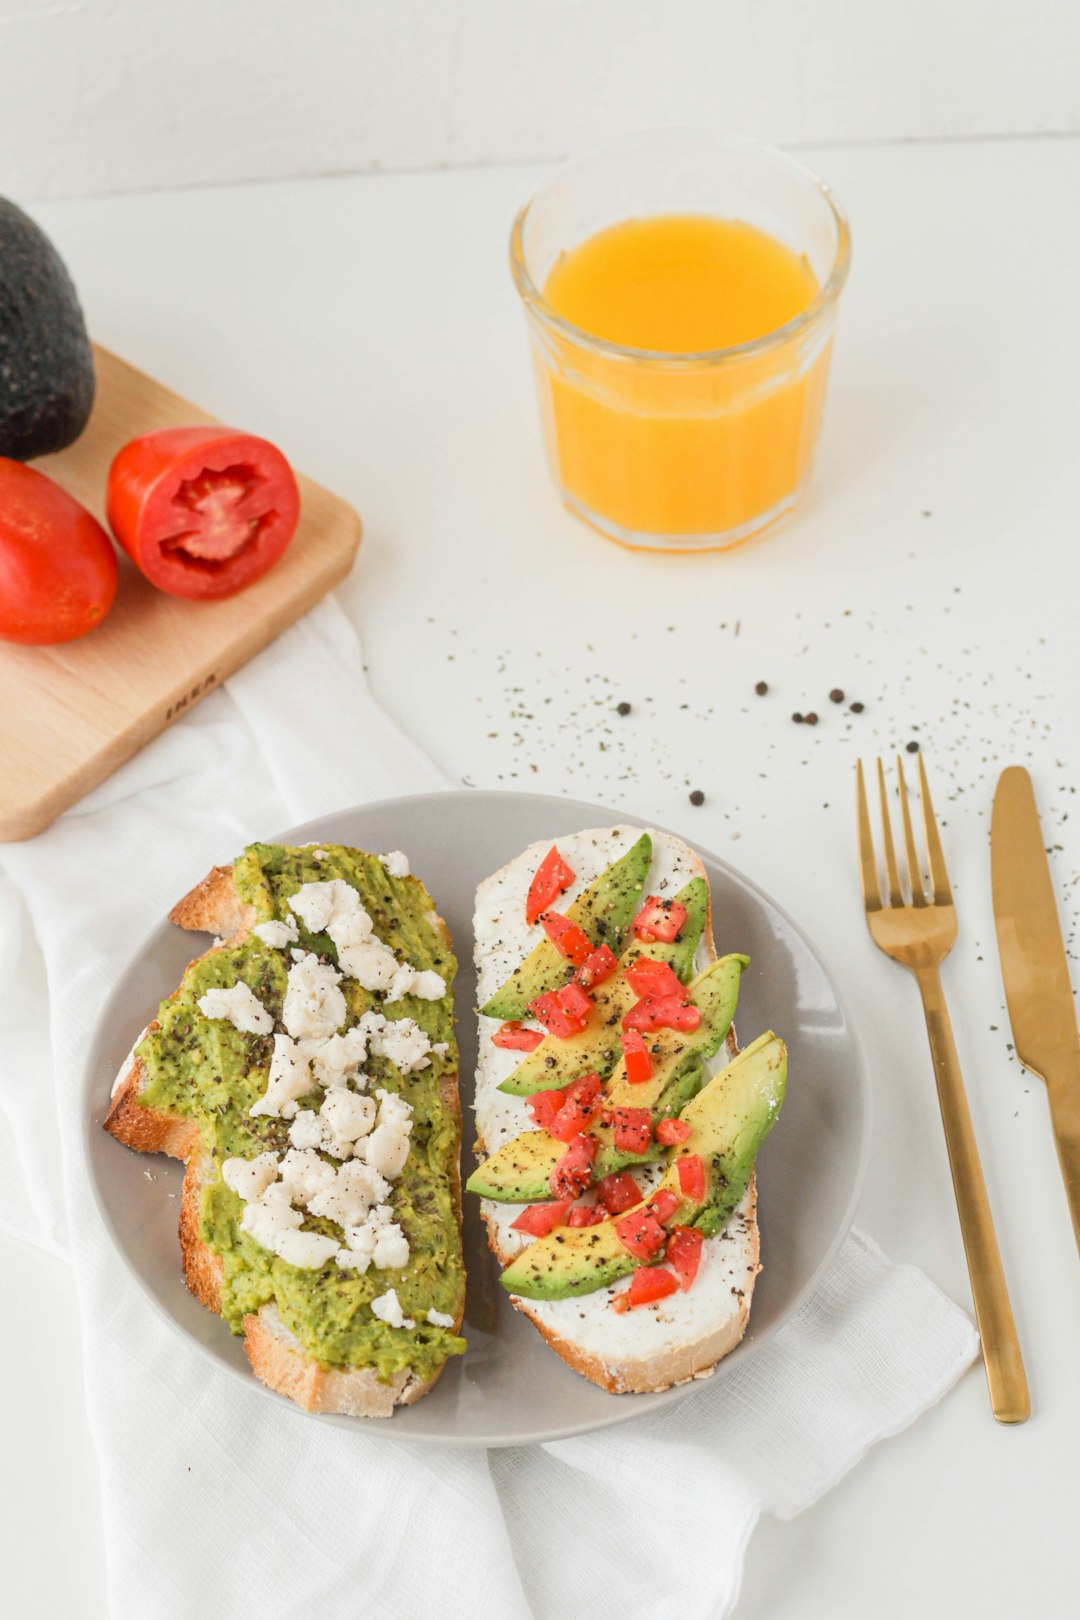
693 447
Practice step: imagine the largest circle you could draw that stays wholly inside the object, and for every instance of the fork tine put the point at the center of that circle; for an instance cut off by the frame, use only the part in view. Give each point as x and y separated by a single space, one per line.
939 875
867 864
918 893
896 893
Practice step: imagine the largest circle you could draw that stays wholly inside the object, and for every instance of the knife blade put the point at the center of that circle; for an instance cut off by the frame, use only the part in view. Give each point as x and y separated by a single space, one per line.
1038 991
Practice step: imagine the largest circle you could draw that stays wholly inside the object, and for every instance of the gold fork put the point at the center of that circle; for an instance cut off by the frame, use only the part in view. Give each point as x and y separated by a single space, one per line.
919 935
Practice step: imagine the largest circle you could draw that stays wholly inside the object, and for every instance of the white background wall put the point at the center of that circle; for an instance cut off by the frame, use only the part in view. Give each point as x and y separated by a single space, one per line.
107 95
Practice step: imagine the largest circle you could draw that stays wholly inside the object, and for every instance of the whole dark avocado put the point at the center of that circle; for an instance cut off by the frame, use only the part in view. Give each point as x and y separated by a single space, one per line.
46 362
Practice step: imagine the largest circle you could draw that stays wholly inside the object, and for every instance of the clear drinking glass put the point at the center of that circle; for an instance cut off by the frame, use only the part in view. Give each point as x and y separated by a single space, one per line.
681 452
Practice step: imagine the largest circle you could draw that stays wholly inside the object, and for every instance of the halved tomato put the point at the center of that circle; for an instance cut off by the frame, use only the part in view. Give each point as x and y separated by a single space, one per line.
202 511
57 566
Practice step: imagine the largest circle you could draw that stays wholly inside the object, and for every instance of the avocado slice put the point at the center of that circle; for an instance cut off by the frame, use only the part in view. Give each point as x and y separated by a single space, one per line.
729 1120
604 910
519 1171
555 1063
46 361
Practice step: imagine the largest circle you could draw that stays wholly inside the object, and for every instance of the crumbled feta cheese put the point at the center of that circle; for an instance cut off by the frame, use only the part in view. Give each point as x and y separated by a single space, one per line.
410 981
348 1116
396 863
249 1178
333 908
337 1061
265 1219
388 1309
314 1003
304 1174
277 934
440 1318
371 964
360 1250
387 1148
290 1078
309 1250
307 1130
356 1186
401 1041
391 1248
238 1006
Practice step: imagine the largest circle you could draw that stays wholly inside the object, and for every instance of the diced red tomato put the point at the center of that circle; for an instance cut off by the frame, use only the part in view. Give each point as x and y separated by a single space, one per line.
659 919
597 966
574 1001
649 1284
692 1177
664 1203
648 978
552 878
573 1172
202 511
543 1106
562 1012
581 1105
636 1057
671 1131
618 1192
539 1219
662 1012
633 1129
586 1215
621 1302
641 1233
514 1037
684 1253
568 939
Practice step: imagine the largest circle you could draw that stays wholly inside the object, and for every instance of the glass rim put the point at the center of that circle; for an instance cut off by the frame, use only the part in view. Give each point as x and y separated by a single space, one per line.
826 296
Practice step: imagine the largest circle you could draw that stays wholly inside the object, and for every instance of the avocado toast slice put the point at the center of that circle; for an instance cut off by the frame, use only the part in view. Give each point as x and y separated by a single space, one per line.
306 1071
681 1336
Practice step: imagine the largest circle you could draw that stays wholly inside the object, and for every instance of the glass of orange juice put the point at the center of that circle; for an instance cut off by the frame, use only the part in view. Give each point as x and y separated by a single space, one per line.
681 291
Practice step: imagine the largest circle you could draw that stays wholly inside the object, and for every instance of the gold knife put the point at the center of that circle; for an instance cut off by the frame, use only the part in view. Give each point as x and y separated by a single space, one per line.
1037 988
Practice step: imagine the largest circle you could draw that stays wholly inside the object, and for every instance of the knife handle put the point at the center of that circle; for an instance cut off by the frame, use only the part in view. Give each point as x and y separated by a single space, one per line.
1009 1398
1063 1087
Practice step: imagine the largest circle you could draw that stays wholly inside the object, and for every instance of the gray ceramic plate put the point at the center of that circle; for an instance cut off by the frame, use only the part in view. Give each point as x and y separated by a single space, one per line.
510 1389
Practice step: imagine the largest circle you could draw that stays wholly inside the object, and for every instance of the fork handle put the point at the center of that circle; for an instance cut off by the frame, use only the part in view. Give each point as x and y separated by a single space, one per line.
1009 1396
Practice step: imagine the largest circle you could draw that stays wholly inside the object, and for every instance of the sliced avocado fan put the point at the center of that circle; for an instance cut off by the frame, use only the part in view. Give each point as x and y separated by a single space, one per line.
604 910
555 1063
519 1172
729 1120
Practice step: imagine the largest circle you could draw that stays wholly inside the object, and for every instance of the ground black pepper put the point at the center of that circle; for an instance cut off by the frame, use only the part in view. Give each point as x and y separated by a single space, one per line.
761 688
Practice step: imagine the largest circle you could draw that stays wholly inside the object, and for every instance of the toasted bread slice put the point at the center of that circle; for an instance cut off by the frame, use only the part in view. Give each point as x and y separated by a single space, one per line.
686 1334
277 1357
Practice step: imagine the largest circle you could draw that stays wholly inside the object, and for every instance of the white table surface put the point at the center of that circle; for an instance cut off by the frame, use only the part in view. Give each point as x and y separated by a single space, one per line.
370 327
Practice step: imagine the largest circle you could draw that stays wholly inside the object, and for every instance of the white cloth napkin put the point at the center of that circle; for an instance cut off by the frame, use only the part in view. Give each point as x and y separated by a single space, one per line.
219 1502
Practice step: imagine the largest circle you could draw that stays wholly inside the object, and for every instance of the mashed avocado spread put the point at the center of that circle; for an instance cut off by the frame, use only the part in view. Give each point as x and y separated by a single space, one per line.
211 1072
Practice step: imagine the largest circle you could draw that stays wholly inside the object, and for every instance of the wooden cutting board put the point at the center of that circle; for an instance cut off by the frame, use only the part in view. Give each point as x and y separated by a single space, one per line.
69 715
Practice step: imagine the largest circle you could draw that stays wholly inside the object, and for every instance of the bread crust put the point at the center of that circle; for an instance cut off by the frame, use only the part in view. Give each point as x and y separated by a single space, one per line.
678 1364
276 1356
214 907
